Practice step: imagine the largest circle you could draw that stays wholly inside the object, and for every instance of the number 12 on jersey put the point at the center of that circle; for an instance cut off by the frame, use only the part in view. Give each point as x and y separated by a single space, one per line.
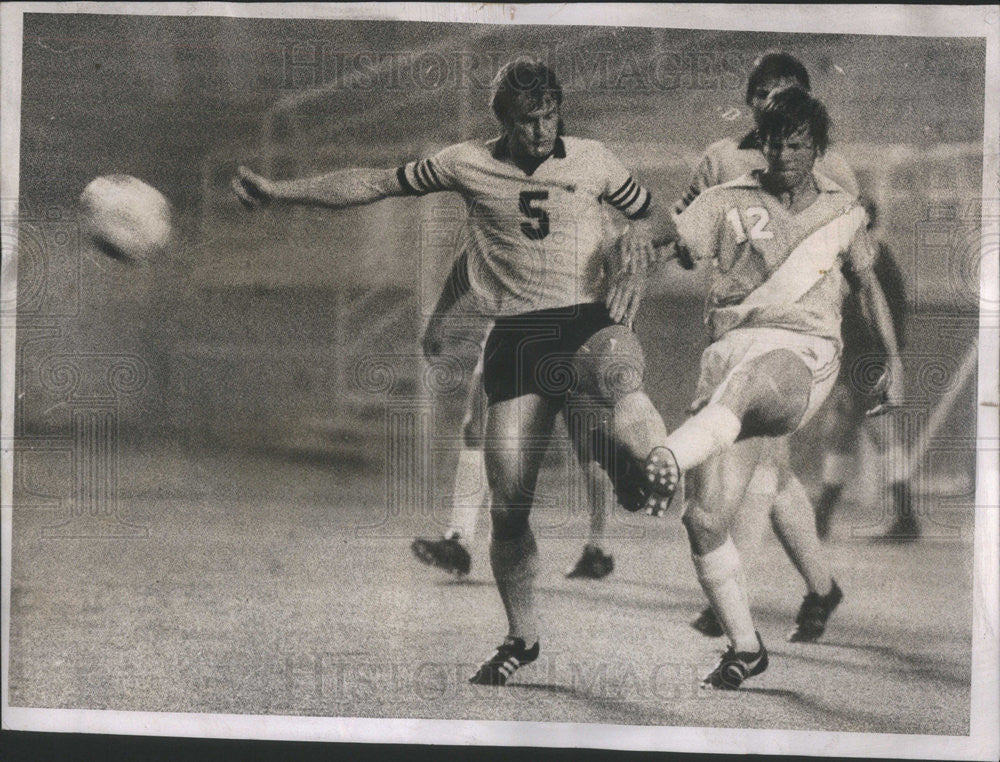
758 230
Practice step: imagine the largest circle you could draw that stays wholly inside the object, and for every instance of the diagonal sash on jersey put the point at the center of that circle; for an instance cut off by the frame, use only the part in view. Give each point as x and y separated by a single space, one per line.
805 265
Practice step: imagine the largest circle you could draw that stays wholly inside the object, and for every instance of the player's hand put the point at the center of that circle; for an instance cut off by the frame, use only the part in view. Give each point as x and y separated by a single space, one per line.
625 296
633 252
888 389
251 189
683 256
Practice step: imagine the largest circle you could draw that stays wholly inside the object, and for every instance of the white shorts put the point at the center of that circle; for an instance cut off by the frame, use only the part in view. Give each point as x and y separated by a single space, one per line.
723 360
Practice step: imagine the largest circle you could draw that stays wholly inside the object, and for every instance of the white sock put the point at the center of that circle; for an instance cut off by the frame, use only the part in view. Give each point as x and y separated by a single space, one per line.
469 493
721 576
703 435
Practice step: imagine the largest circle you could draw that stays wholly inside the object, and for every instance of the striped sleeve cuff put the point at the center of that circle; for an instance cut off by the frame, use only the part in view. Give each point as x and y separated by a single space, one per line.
631 199
420 177
685 201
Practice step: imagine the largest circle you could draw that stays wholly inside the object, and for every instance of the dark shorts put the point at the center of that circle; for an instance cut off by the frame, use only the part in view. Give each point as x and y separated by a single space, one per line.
532 353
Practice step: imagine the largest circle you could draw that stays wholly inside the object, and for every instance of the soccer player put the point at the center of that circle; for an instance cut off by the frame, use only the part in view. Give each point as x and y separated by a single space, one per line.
455 325
785 243
843 422
723 161
728 158
535 201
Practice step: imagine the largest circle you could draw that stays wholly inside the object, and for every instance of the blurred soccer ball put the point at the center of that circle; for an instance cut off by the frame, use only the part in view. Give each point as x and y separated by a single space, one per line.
126 218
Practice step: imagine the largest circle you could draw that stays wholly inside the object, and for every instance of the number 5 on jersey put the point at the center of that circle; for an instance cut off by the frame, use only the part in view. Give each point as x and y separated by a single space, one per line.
538 227
758 230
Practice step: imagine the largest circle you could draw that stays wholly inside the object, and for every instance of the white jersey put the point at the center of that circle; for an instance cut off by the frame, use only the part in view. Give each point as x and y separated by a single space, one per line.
535 239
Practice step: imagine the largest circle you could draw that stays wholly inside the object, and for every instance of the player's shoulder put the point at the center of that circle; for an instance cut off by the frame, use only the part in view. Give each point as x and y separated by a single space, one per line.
735 188
726 147
836 195
835 167
576 146
467 151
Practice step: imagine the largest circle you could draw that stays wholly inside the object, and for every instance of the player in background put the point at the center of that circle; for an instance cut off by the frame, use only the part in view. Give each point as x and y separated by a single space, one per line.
843 421
534 201
723 161
729 158
785 244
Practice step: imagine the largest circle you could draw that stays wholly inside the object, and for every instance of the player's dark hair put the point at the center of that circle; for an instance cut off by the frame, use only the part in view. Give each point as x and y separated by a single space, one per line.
776 65
523 76
787 110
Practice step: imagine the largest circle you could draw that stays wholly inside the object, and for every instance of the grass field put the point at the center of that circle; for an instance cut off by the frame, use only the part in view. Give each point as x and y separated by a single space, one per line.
268 585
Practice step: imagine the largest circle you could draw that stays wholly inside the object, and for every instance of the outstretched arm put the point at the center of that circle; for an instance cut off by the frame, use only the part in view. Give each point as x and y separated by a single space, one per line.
876 312
335 190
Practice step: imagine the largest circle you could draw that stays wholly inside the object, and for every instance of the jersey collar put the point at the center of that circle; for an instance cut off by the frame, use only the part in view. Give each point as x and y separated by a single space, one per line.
502 151
752 180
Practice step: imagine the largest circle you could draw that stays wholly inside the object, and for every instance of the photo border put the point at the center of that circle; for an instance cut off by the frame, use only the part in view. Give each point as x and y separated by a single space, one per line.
930 21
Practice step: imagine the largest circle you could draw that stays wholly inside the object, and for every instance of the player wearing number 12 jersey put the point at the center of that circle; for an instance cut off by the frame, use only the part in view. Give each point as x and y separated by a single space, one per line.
725 161
785 245
560 342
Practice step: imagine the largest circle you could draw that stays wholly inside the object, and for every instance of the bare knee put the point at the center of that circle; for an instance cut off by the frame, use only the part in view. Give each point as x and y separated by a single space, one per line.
769 393
706 529
508 522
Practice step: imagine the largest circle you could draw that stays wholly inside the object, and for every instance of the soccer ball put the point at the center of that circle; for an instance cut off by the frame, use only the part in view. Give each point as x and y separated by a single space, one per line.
125 218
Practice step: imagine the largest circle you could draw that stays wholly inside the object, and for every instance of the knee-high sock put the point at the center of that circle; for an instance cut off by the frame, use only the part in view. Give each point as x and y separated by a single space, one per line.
795 525
515 565
469 494
720 573
707 433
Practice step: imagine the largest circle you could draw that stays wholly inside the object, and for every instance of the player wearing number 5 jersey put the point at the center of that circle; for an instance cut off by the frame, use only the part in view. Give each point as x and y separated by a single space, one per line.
561 341
535 231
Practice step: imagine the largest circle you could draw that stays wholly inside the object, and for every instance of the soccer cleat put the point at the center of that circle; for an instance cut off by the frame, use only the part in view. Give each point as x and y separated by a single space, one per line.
594 563
662 475
509 657
625 473
814 613
446 553
735 667
707 624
